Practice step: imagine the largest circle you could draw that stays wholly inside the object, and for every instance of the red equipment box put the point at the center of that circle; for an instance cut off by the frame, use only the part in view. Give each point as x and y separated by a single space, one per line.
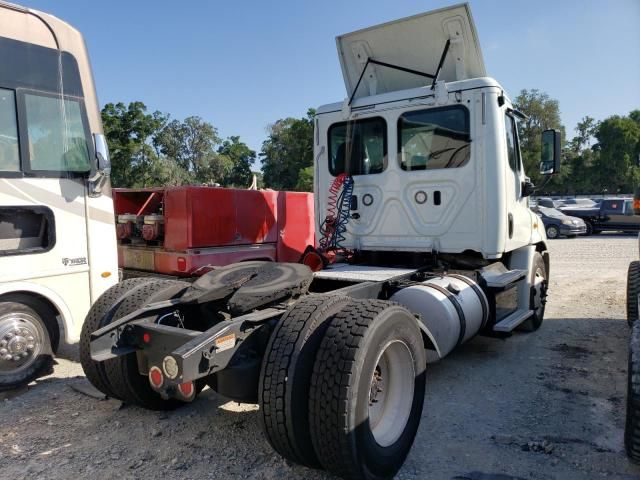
182 230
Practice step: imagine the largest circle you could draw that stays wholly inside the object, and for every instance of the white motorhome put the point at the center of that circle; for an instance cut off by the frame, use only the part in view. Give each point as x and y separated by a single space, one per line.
57 240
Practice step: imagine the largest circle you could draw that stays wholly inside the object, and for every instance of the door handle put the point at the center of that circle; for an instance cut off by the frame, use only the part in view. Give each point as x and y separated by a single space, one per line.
510 225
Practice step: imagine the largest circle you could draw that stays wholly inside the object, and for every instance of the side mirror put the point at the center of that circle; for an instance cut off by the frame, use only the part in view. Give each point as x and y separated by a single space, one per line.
102 153
550 161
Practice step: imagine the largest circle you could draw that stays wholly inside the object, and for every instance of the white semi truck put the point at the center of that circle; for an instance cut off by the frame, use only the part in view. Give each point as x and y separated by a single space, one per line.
57 240
427 241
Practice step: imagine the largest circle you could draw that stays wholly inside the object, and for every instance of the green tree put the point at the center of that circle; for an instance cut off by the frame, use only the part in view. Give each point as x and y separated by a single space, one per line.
287 151
543 113
305 180
129 131
241 157
191 144
579 159
619 150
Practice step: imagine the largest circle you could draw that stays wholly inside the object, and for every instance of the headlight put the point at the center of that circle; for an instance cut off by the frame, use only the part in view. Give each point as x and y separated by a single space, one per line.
567 222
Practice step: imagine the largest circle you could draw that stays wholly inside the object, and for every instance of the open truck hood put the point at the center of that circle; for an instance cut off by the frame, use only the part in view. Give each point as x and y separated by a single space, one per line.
414 43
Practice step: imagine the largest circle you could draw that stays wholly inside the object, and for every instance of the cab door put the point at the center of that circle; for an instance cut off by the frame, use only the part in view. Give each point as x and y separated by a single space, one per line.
519 217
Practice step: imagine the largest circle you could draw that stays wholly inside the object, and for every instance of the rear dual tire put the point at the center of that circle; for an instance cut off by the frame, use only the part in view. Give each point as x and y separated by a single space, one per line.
119 377
633 291
342 386
632 425
286 375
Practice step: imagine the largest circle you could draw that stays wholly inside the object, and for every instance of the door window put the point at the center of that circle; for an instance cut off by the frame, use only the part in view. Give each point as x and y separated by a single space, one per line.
56 134
9 151
509 128
359 147
434 138
614 206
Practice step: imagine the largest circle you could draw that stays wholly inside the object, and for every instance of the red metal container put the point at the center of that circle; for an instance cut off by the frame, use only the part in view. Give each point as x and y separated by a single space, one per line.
211 226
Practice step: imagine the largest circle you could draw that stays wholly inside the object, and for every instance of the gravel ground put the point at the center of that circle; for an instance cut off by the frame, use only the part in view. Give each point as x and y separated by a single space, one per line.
548 405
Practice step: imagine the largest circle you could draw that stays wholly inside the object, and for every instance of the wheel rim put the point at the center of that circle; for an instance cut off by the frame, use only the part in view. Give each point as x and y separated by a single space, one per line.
21 342
540 287
391 393
552 232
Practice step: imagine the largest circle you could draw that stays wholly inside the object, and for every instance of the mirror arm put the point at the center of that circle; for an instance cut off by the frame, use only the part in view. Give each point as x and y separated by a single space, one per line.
546 180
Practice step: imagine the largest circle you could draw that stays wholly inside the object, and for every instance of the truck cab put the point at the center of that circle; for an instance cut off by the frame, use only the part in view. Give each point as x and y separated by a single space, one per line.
430 141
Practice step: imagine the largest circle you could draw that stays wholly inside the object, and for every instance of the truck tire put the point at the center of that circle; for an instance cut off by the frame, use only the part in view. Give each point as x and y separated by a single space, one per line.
633 290
367 390
553 232
632 425
27 341
540 281
96 319
122 373
286 374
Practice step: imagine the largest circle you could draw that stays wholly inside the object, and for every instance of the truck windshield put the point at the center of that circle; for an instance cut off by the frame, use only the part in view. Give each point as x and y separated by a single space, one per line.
358 147
434 138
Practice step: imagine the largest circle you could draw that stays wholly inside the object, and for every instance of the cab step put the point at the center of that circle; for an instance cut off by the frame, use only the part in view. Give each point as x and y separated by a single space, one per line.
509 323
497 277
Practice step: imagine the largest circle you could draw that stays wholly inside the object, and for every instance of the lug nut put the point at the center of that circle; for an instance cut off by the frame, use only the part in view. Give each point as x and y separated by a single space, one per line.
25 354
9 335
30 338
3 351
7 357
30 346
3 343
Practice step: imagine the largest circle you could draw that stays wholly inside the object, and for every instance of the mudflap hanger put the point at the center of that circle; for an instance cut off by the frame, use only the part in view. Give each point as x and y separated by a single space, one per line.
441 45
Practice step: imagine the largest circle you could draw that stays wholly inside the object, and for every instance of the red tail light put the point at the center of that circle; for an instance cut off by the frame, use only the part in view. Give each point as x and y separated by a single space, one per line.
156 379
186 389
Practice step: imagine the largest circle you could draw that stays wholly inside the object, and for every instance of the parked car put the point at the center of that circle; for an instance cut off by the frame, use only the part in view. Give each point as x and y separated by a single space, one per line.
578 202
548 202
557 224
613 214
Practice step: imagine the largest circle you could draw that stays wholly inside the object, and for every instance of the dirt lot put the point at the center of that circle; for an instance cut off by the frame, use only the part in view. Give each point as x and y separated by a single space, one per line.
549 405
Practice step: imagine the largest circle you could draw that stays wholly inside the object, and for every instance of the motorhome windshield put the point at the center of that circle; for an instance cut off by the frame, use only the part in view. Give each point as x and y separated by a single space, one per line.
43 125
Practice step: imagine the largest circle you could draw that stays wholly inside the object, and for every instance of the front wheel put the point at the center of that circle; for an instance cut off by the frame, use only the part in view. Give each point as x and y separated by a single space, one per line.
539 285
26 351
367 390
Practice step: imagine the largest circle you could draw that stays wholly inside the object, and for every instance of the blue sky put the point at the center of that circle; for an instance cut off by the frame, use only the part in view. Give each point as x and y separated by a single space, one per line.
243 65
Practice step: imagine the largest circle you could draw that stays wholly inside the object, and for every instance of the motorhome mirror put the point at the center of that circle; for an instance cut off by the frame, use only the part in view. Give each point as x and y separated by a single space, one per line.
102 153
